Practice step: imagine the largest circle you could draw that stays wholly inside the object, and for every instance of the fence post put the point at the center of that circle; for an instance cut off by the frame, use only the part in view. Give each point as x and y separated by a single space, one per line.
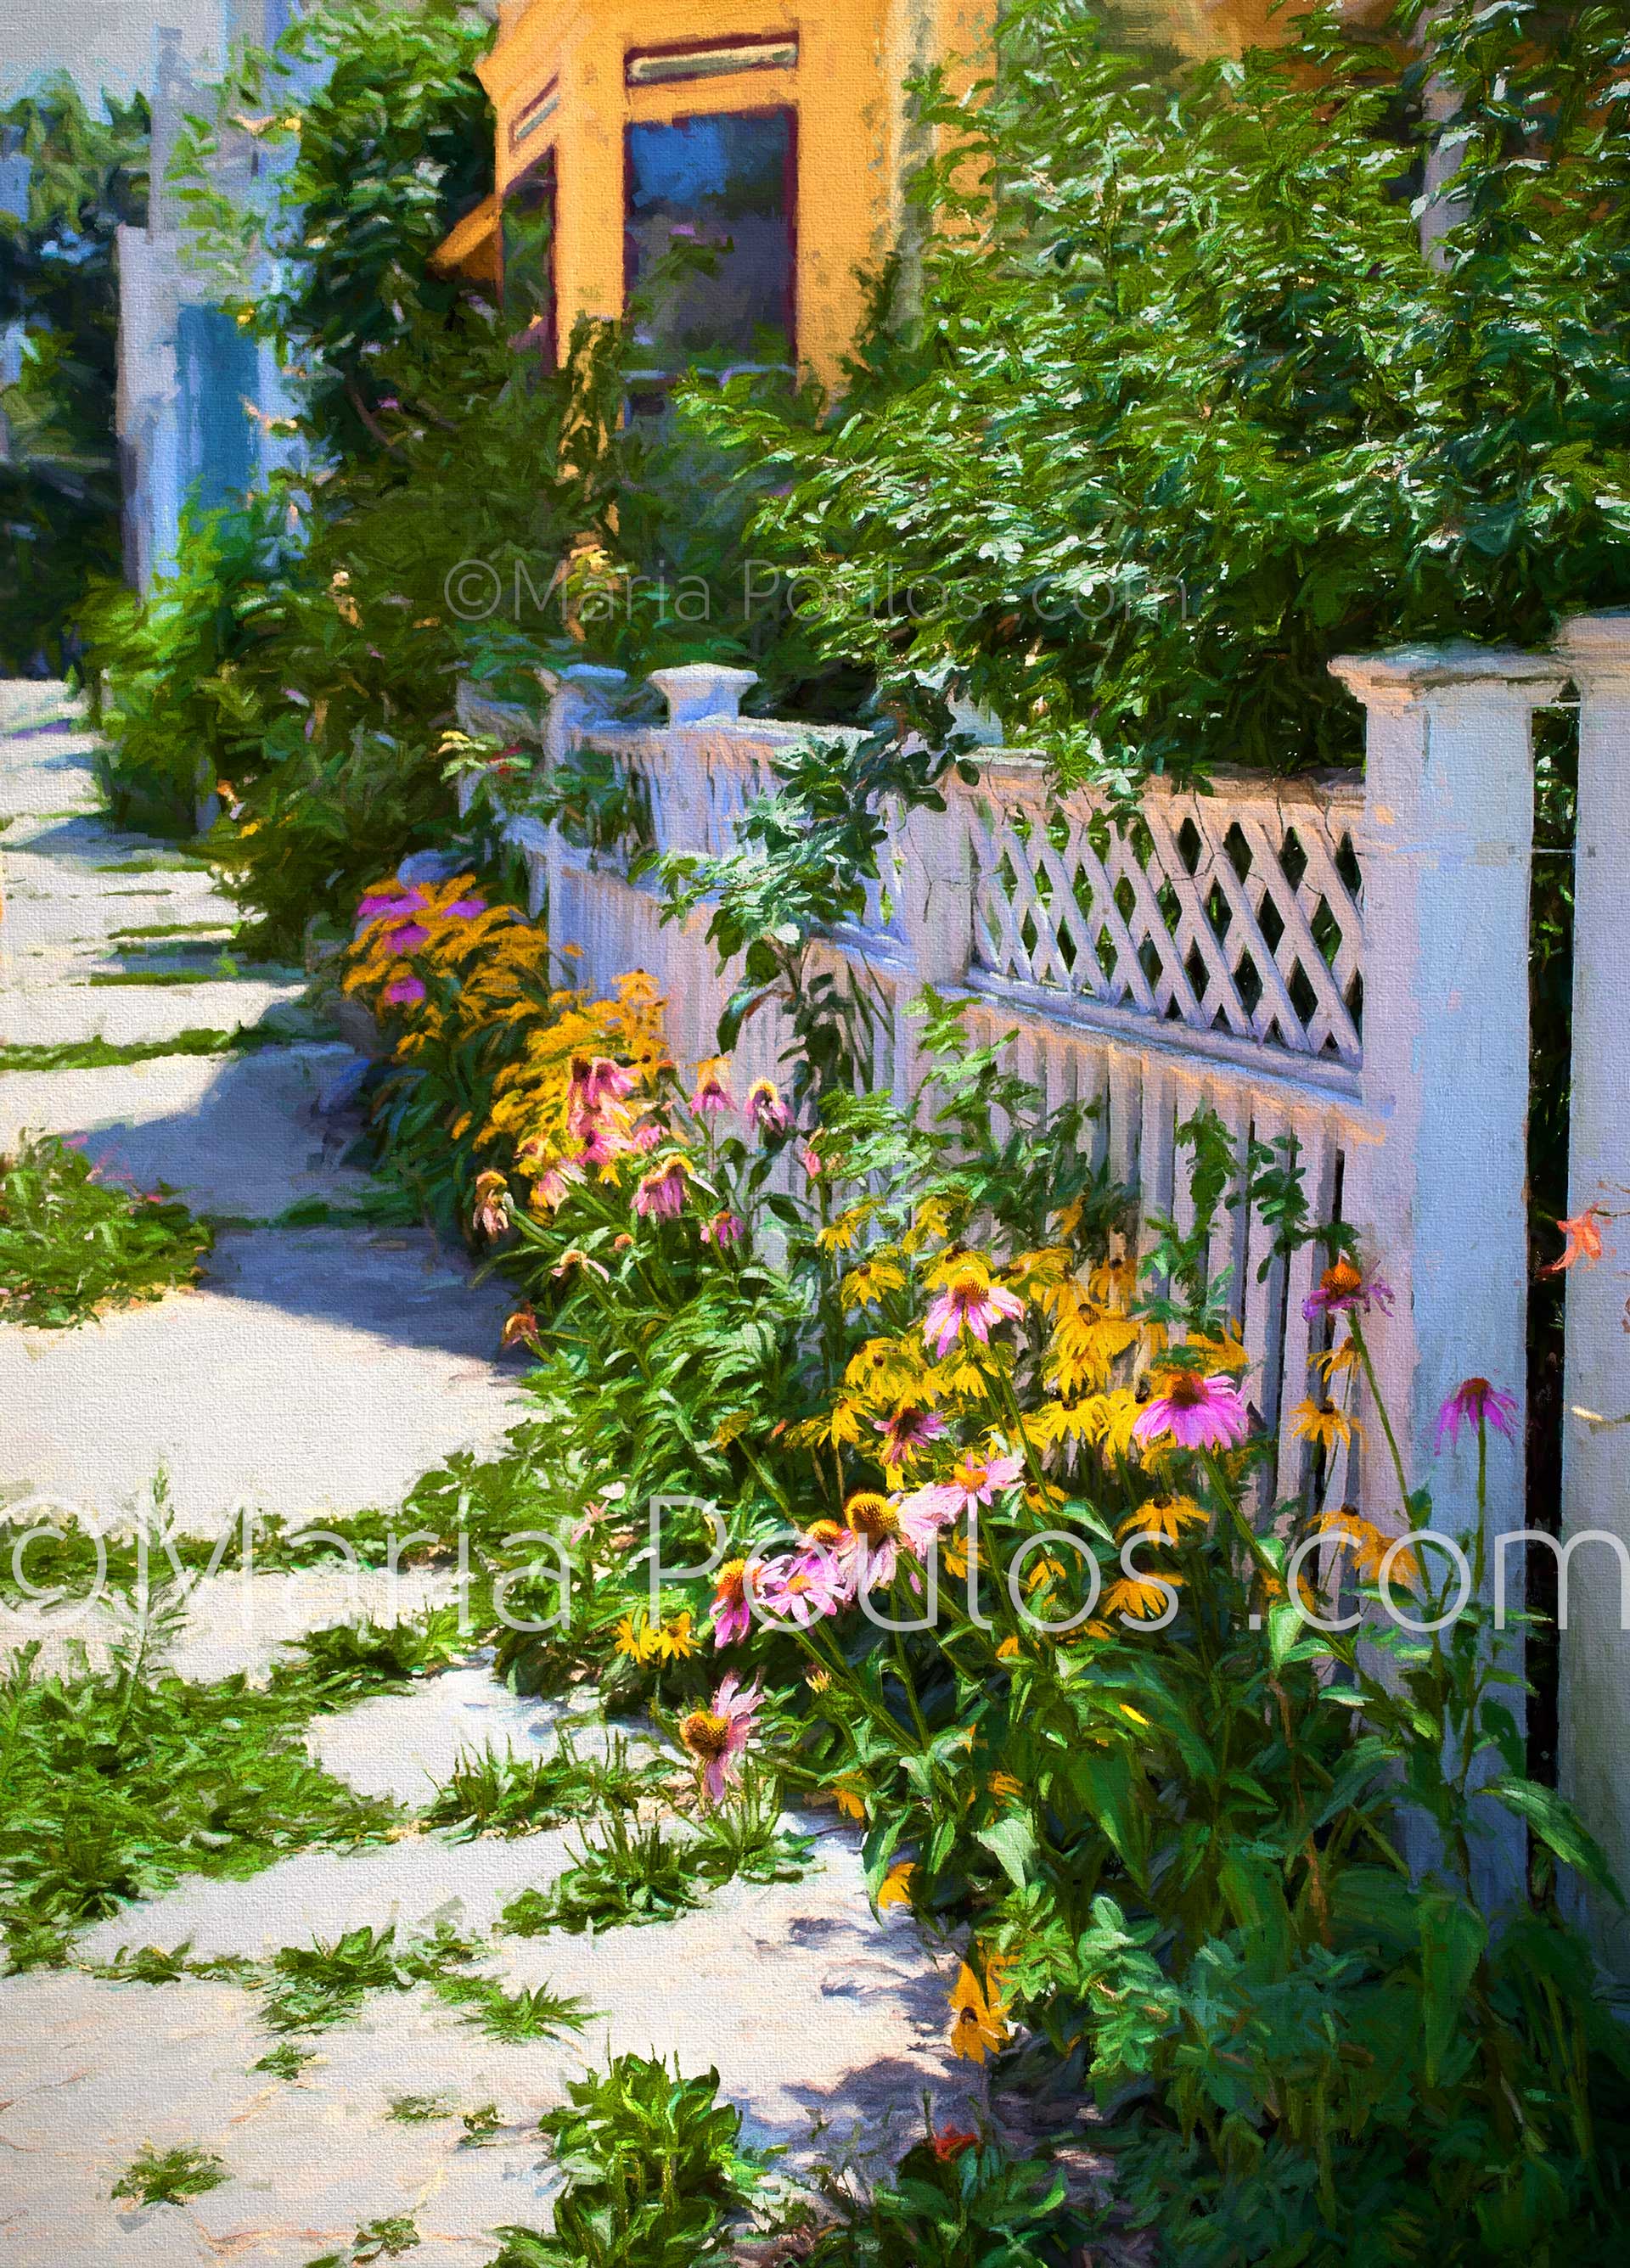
1438 1190
576 698
1595 1695
937 884
704 707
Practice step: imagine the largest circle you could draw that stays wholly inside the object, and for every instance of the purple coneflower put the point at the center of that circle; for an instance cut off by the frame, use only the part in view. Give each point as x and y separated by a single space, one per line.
1198 1413
1343 1287
1474 1402
867 1548
733 1616
766 1110
968 1299
906 1433
490 1217
575 1258
405 991
711 1095
724 1228
716 1737
975 1477
921 1515
397 904
804 1587
602 1080
660 1194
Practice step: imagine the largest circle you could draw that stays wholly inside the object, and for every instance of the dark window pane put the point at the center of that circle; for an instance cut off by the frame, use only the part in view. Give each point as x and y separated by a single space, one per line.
708 238
529 259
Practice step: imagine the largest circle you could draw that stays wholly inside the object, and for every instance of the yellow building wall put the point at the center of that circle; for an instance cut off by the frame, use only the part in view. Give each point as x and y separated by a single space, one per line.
853 143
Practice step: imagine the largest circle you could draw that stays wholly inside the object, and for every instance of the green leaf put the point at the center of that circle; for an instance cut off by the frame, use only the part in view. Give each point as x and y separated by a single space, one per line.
1560 1829
1453 1938
1012 1843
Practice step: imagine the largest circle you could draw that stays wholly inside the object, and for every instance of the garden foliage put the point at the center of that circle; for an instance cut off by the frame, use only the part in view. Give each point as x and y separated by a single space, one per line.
1178 410
86 174
73 1243
996 1573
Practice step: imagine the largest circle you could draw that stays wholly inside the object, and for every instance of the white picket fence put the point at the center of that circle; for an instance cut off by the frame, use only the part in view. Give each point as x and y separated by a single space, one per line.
1340 959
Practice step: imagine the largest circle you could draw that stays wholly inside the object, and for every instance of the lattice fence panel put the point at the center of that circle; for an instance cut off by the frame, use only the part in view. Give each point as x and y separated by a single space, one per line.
1236 913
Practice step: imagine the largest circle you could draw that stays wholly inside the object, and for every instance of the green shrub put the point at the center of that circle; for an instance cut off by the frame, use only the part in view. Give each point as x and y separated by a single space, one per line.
653 2166
1178 409
184 671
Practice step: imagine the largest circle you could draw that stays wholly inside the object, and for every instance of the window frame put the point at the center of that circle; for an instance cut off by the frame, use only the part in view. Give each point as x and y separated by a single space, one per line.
789 190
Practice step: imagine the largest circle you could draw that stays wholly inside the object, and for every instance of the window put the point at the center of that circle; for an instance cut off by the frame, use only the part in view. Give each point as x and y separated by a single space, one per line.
528 255
709 236
710 59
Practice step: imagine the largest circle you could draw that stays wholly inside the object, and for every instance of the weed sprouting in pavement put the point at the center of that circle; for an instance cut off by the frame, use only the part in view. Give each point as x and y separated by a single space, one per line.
170 2176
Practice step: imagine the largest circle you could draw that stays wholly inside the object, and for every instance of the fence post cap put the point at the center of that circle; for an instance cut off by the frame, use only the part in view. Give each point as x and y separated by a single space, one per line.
1403 673
702 692
1596 645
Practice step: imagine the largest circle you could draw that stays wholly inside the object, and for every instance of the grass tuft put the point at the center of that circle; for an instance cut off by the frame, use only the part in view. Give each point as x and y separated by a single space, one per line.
492 1794
630 1875
72 1245
170 2176
534 2012
316 1986
104 1055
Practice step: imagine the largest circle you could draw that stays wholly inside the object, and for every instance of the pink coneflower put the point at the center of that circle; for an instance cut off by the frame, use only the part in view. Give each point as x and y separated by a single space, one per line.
602 1142
602 1080
718 1737
408 938
766 1110
813 1163
405 991
920 1516
712 1096
397 904
803 1587
1582 1239
464 909
906 1433
570 1261
733 1616
1343 1287
1474 1402
660 1194
556 1179
975 1477
597 1085
867 1548
724 1228
490 1217
968 1299
1198 1413
594 1512
646 1137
